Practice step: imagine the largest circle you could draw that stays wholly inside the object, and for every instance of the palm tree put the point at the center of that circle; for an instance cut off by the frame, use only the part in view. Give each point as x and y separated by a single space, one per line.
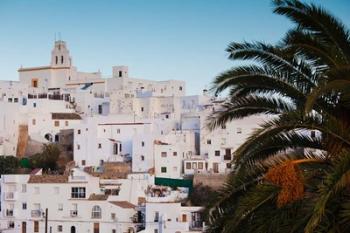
284 179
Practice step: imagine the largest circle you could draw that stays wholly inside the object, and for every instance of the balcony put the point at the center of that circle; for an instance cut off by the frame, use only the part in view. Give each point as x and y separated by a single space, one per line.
9 213
10 196
196 225
36 213
74 213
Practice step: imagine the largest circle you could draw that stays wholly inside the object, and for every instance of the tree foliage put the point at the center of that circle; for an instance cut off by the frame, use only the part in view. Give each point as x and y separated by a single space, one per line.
292 174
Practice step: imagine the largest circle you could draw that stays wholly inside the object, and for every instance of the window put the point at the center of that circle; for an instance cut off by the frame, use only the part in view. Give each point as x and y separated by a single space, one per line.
118 131
239 130
36 190
96 212
115 149
56 190
194 165
142 143
34 105
60 207
174 153
313 134
217 153
208 141
142 158
223 127
188 165
24 188
200 165
156 216
112 215
99 146
36 226
228 165
78 147
167 116
57 123
114 231
59 228
120 73
66 123
163 169
24 205
11 224
10 100
163 154
61 59
33 121
56 60
78 192
35 83
142 109
83 162
79 131
180 88
15 100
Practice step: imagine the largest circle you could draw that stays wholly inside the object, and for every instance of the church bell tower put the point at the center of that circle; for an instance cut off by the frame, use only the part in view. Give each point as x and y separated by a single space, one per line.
60 55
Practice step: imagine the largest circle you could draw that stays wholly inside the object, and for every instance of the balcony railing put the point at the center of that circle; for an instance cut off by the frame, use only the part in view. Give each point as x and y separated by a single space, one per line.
9 213
74 213
195 225
10 196
36 213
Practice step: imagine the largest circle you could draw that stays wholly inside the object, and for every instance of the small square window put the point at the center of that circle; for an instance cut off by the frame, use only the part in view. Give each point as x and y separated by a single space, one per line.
78 147
34 105
79 131
118 131
208 141
57 123
83 162
66 123
99 146
163 169
217 153
163 154
188 165
174 153
200 165
24 206
59 228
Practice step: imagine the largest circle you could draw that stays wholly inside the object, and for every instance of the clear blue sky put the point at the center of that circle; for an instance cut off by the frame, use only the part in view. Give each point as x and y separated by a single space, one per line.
157 39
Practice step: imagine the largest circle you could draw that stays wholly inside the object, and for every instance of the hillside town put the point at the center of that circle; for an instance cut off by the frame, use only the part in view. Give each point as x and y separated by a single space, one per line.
132 150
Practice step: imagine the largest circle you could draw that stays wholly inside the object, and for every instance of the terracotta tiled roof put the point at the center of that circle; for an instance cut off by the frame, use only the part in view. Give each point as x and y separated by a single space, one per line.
123 204
48 179
98 197
65 116
111 170
158 142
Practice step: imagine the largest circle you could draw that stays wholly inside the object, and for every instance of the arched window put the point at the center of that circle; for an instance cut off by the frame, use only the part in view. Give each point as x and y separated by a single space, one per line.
61 59
72 229
56 60
96 212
